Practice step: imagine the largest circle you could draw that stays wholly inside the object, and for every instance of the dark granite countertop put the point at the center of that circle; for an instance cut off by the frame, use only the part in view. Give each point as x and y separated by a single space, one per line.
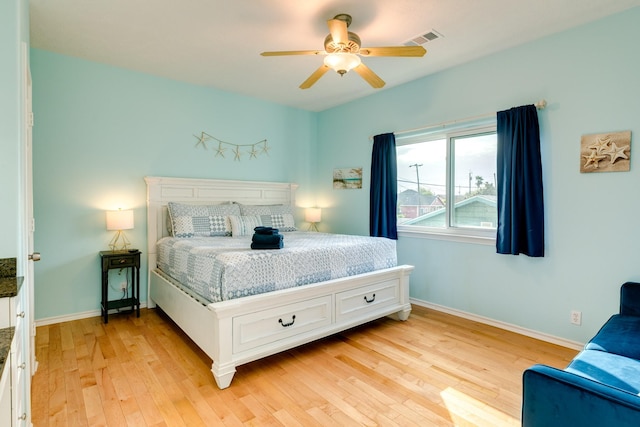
9 286
8 267
6 335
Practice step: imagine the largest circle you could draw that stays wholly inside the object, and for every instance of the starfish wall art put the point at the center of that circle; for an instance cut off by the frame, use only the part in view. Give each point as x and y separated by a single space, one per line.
605 152
237 151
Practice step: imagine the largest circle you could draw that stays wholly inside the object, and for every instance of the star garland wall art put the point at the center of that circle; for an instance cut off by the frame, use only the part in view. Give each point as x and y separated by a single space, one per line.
605 152
236 150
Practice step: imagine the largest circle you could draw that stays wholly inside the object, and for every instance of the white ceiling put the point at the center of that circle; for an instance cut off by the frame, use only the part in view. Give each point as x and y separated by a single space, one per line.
217 43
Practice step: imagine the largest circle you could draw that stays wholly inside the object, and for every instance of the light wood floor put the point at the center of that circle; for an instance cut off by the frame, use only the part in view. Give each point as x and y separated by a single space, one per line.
434 369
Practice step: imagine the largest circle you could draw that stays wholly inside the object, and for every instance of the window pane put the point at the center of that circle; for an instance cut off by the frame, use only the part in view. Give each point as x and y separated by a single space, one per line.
422 183
474 182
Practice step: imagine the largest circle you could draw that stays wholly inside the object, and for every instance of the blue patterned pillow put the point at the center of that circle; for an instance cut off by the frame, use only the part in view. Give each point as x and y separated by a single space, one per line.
201 220
243 225
276 216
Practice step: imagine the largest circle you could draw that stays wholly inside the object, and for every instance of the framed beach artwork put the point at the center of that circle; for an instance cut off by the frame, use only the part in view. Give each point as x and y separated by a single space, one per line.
347 178
605 152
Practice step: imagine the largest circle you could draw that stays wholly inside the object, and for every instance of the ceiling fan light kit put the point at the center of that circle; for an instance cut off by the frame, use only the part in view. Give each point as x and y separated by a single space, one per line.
343 50
342 62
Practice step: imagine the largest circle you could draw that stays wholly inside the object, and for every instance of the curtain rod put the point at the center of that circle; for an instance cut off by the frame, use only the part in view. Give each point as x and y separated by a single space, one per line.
540 105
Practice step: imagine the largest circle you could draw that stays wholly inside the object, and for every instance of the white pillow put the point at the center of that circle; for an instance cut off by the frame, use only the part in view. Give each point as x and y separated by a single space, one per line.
243 225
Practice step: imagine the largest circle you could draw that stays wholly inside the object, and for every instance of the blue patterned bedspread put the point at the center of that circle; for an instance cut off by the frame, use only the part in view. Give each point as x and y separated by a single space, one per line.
223 268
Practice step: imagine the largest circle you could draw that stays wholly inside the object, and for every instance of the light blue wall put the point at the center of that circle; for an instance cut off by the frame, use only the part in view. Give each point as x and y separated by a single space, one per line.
99 130
589 76
14 30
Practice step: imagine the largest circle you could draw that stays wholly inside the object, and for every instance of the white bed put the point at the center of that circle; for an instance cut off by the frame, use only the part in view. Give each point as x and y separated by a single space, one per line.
241 330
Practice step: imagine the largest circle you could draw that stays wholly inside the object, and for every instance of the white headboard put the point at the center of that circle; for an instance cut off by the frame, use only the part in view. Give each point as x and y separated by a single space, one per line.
161 190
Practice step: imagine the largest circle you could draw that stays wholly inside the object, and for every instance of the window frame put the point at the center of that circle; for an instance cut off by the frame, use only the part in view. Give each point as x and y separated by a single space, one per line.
449 232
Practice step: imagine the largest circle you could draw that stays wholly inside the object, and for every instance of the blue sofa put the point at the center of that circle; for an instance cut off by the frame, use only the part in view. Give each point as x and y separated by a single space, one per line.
601 385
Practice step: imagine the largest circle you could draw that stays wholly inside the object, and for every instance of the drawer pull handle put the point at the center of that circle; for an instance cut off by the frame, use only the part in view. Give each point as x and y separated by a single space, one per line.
122 261
285 325
369 301
22 365
20 315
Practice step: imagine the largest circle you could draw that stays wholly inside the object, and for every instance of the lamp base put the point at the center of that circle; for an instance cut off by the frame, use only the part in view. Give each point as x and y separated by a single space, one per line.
312 227
119 242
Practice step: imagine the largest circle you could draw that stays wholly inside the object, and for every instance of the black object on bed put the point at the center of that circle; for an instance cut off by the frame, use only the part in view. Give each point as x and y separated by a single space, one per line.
267 238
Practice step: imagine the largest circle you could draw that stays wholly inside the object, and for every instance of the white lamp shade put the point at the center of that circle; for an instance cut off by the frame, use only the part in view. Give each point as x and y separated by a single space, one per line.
120 220
313 215
342 62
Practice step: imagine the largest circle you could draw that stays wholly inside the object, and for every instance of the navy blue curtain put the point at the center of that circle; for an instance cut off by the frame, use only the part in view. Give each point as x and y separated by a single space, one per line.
520 205
384 187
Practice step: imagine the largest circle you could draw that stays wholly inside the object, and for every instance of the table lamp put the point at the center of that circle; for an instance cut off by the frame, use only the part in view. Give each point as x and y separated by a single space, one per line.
313 216
119 220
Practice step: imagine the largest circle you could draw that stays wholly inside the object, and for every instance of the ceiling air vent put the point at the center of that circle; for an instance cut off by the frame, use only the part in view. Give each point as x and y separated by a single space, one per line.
423 38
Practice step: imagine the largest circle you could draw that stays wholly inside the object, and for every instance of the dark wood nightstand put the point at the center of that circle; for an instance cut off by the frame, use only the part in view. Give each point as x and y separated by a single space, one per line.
120 259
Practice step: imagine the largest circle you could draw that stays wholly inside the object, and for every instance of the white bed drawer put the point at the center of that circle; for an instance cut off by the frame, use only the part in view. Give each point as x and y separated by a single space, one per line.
358 302
267 326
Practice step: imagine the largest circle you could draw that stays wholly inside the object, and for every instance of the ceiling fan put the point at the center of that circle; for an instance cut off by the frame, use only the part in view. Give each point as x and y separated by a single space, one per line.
343 51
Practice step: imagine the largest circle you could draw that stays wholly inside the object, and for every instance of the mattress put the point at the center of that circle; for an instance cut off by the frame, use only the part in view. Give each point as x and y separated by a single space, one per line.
223 268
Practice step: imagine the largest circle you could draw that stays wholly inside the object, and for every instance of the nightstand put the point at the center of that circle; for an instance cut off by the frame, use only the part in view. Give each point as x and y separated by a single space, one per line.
120 260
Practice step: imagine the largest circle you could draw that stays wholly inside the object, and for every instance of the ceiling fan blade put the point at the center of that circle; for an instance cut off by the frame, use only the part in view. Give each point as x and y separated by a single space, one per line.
314 77
294 52
393 51
371 77
338 30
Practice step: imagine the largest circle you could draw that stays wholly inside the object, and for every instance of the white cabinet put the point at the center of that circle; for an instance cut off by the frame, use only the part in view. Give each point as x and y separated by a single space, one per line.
19 361
5 395
14 399
7 312
7 336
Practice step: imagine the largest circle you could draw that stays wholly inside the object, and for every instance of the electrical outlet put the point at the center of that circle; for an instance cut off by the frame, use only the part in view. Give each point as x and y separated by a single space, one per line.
124 286
576 317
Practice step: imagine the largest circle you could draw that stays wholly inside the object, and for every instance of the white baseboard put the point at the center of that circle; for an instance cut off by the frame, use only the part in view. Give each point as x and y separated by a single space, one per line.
74 316
502 325
575 345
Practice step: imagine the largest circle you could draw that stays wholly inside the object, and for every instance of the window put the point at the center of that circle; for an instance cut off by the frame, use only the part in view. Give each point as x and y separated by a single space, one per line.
447 182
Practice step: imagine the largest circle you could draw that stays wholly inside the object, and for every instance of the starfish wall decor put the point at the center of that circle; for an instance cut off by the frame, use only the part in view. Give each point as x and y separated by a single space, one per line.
220 147
605 152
